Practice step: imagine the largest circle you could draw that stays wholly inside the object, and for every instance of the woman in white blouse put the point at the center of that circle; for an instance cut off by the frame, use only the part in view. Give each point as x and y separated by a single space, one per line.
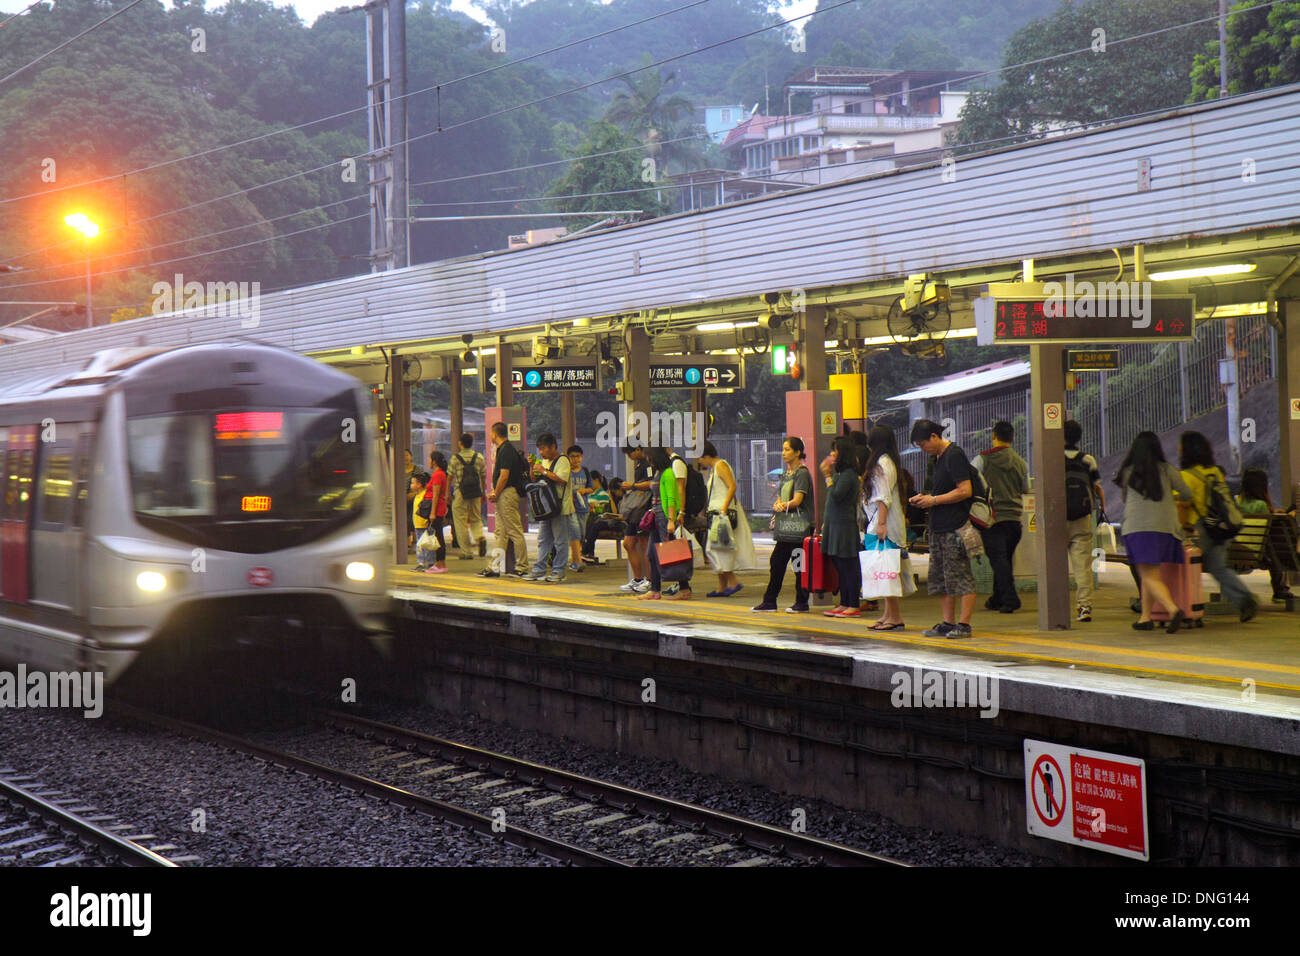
722 500
885 517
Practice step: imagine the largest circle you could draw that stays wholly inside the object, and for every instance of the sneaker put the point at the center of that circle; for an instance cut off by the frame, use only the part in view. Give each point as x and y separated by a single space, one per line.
797 609
630 587
516 574
942 629
959 630
1249 610
575 567
488 573
590 559
421 568
553 578
532 576
1085 613
763 607
643 586
671 590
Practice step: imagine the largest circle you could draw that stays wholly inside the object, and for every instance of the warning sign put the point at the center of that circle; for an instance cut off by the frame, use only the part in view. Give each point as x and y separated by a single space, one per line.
1053 415
1087 798
1295 409
514 431
829 425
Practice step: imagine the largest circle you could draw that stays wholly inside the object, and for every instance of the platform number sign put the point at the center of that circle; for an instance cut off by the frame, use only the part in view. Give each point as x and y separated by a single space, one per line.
1087 798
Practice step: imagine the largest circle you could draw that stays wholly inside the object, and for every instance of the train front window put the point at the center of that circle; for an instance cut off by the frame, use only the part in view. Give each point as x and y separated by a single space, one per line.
246 466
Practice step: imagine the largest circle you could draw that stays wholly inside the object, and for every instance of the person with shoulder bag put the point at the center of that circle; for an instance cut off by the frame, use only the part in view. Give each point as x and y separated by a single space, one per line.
1006 478
792 522
1216 517
468 474
730 541
840 541
666 524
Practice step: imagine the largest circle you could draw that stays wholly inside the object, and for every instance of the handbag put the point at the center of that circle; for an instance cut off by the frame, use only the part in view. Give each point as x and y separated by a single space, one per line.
1105 537
647 520
676 559
635 504
971 539
882 569
720 533
981 509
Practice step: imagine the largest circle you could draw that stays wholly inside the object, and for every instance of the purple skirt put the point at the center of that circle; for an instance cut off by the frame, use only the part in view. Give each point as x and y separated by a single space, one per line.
1153 547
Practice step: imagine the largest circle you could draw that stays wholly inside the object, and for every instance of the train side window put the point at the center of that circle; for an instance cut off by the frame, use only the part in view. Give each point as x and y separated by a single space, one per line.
23 501
81 491
11 484
55 486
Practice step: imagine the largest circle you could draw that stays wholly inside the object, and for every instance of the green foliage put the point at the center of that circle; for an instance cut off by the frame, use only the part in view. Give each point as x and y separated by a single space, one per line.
1263 51
598 173
1093 86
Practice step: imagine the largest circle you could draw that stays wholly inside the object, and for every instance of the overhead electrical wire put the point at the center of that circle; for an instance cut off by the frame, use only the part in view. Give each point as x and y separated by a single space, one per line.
92 29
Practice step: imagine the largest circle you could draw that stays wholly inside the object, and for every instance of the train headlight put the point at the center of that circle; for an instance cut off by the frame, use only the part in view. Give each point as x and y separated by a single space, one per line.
360 571
152 581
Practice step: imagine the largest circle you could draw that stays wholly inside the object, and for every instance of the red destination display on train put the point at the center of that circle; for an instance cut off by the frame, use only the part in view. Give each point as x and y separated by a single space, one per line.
246 426
1044 321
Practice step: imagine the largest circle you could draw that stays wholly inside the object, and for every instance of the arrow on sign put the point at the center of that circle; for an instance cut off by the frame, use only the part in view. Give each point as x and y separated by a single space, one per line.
728 375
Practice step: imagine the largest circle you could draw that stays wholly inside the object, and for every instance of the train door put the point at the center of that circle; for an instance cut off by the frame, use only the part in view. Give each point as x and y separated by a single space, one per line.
55 528
14 535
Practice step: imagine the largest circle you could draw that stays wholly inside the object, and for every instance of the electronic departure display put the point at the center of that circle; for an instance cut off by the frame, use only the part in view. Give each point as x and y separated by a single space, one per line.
249 426
1025 321
255 503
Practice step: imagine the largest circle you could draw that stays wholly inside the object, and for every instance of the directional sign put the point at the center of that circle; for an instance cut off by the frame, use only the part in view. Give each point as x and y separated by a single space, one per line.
1087 798
697 371
557 375
1093 360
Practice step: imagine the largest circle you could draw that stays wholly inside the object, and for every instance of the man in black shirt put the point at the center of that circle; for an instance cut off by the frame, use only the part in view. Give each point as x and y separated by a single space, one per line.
948 504
509 473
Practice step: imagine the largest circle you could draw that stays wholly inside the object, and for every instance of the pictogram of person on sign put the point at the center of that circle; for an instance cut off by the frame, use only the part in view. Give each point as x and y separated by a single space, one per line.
1049 791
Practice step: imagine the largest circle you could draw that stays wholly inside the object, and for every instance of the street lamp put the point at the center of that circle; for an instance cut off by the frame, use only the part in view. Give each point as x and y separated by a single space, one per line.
90 229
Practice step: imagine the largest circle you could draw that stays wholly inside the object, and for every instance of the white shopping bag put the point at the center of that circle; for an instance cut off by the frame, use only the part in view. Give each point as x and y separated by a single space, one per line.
881 573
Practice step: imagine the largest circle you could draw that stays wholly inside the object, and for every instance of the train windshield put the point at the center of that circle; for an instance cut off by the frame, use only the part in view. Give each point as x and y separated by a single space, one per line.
247 479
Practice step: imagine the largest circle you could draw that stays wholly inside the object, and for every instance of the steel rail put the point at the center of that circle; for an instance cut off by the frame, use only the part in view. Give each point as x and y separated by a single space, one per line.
515 836
760 836
128 851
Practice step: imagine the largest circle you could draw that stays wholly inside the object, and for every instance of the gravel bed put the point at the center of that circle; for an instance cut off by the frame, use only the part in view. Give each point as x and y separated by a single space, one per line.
255 815
606 829
858 828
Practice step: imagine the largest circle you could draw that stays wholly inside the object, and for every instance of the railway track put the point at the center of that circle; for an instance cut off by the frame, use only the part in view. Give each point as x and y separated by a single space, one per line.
598 810
41 827
516 836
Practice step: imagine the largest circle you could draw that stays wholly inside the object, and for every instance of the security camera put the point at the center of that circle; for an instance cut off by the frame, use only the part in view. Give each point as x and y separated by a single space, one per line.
547 347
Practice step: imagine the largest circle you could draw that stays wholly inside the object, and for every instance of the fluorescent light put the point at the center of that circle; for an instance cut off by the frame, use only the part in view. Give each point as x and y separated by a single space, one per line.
889 339
469 370
725 326
150 581
1231 269
1232 311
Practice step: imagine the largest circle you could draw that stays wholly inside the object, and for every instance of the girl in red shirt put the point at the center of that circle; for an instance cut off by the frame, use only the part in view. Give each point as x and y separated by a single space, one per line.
436 492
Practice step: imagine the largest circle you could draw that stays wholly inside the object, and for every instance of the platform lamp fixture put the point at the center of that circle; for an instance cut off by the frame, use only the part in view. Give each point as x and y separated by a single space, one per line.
467 357
90 229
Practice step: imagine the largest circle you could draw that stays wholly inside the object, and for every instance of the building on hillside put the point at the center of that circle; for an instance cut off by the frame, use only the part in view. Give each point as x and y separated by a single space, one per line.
859 121
718 121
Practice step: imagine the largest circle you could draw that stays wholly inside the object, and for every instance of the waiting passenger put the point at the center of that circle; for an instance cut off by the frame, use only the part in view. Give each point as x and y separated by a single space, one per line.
1196 459
948 505
421 508
669 516
605 516
792 522
580 484
725 507
886 515
1083 498
436 492
1153 535
509 473
637 541
467 473
1255 500
1007 478
840 541
553 532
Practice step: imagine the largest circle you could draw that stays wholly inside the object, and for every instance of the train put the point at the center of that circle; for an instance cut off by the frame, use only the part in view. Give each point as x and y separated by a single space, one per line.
160 494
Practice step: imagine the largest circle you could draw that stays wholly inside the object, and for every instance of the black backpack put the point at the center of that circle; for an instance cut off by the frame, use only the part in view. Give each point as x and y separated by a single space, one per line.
1222 518
1078 488
543 502
697 493
470 485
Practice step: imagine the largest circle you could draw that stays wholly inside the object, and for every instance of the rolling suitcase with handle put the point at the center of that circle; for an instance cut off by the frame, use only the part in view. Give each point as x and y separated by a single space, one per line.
1184 583
818 570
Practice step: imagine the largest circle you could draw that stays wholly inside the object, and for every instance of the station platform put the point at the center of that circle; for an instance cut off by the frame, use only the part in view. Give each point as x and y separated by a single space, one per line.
1225 683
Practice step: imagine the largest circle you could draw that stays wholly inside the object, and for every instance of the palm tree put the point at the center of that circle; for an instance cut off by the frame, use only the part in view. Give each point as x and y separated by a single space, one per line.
646 111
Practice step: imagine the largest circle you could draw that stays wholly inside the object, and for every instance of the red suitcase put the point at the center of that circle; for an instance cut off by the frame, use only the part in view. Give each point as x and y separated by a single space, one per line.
818 570
1184 583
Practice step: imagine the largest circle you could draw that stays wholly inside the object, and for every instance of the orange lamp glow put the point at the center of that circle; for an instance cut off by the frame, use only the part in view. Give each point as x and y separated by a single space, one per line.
83 224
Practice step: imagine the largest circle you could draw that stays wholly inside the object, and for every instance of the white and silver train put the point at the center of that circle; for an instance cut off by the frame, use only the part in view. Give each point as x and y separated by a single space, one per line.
158 493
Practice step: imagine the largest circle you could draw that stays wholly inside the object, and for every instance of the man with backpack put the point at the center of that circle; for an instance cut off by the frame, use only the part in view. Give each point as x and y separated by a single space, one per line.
468 471
1083 497
1006 476
1216 517
552 474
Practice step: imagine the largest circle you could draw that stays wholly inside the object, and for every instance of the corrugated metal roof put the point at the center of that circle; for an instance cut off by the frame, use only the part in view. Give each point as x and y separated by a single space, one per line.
1062 196
975 381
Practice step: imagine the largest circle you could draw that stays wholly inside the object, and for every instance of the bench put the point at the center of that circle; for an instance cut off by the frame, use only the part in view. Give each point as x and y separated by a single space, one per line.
1266 541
